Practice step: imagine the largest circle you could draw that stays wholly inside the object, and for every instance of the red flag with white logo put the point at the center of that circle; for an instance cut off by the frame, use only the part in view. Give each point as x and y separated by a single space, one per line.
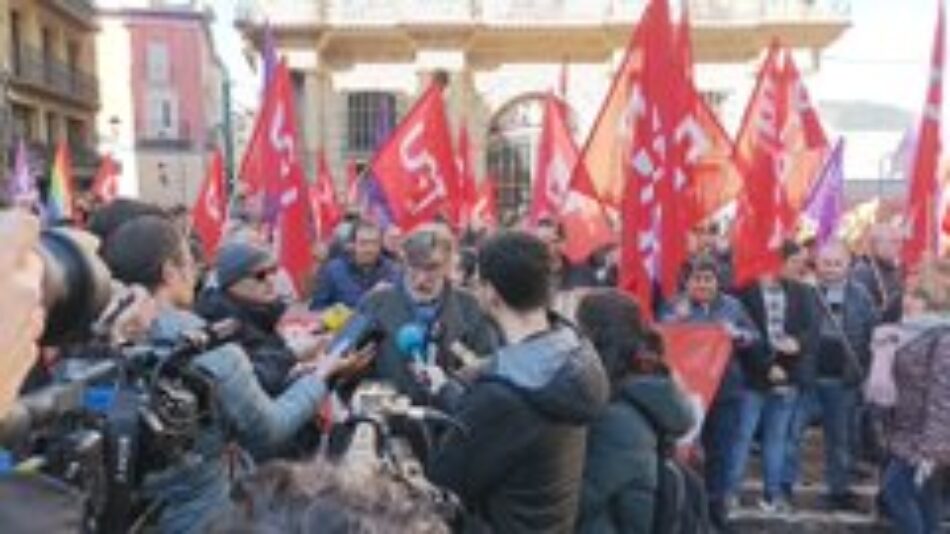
805 145
105 186
209 213
484 210
762 222
274 146
416 168
323 204
920 213
652 213
557 156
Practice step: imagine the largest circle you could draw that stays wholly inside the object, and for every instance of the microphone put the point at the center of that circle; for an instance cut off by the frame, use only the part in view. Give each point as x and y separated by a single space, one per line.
410 341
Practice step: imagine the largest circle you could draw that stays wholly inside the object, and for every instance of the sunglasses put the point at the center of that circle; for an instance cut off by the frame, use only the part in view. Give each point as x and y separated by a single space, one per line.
264 274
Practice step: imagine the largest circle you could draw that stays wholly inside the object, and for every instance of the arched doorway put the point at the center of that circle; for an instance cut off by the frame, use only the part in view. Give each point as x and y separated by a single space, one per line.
513 136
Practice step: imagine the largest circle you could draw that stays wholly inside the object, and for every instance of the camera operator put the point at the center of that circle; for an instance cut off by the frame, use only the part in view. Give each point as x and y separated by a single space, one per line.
152 252
425 298
20 295
519 466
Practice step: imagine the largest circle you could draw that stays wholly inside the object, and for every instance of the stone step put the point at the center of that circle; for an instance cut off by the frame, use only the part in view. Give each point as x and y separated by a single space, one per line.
754 521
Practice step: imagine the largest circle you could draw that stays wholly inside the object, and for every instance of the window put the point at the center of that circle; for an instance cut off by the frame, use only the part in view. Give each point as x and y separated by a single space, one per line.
369 115
52 129
47 44
514 132
162 115
714 99
15 54
157 63
76 132
23 122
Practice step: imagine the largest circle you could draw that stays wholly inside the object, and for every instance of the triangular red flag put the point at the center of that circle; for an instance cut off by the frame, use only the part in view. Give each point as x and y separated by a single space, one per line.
557 156
650 211
284 180
323 204
760 226
485 209
105 185
804 142
209 213
920 214
415 168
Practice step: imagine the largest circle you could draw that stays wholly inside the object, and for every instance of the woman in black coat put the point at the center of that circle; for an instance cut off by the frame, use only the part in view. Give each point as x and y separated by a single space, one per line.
620 474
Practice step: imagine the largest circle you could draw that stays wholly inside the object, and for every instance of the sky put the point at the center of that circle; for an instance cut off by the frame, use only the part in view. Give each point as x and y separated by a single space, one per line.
882 58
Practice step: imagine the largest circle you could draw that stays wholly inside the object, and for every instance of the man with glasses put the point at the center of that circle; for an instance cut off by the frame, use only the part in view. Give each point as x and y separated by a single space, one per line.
425 299
245 289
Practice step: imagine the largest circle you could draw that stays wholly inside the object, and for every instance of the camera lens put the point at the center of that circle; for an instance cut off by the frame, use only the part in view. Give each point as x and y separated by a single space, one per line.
76 286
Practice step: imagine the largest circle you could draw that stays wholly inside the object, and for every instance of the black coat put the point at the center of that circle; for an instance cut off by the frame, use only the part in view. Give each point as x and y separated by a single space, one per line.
800 323
460 319
271 357
620 478
519 466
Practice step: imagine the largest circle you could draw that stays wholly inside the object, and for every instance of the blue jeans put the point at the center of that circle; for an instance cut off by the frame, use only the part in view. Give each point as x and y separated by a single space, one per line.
914 509
774 409
836 402
718 439
803 413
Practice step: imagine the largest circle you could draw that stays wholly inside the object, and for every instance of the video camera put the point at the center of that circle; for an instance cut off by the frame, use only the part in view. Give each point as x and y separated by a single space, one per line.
106 423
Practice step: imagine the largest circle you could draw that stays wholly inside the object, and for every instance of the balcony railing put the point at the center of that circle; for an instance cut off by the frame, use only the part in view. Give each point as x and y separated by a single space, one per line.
526 12
32 67
155 138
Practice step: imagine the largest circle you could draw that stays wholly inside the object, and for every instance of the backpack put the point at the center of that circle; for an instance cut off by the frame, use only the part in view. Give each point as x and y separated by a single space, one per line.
681 503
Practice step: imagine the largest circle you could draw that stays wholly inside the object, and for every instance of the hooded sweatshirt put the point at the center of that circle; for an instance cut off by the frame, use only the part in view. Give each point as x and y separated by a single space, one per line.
519 466
620 478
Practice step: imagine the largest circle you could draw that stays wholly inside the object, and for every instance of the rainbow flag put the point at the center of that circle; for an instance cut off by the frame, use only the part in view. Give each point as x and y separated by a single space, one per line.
60 196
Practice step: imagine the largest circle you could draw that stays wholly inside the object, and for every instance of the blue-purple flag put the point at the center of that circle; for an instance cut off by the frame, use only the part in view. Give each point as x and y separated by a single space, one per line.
826 201
372 201
23 190
268 56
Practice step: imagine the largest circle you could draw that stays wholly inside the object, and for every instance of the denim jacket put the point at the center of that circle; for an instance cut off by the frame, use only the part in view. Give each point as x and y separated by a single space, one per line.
190 490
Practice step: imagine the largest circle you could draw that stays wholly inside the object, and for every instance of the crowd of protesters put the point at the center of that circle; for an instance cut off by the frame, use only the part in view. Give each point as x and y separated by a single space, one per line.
559 380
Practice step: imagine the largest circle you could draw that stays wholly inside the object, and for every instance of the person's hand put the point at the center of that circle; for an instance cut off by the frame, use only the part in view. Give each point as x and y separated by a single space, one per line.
431 376
777 374
681 309
348 366
128 315
21 300
787 345
308 347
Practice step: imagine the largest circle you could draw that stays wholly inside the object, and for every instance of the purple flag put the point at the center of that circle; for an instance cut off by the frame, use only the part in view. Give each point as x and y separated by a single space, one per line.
372 201
23 191
268 55
826 200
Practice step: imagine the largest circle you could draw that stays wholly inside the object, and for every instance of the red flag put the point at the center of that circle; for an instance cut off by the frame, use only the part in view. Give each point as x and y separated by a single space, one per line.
467 188
557 156
285 183
485 210
920 212
416 168
323 204
209 213
760 227
697 355
352 185
651 213
105 186
804 143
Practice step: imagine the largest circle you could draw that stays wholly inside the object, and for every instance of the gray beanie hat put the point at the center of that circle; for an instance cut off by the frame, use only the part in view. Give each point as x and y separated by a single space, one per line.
239 259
